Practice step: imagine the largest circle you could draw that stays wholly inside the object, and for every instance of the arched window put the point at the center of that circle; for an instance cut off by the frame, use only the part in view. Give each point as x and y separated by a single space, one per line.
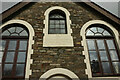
57 22
14 45
57 30
103 51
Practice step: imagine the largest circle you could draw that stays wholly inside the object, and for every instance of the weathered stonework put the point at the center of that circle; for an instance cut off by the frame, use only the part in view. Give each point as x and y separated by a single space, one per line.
47 58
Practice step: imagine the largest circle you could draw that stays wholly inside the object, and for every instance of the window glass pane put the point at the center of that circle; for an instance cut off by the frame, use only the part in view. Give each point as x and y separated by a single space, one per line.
91 44
57 22
100 44
62 26
1 54
57 31
52 16
57 26
19 29
105 33
52 26
103 56
8 69
20 70
52 22
14 34
100 30
24 33
116 66
63 31
89 33
113 55
10 57
52 31
0 61
110 44
57 16
61 16
12 45
95 67
98 34
23 45
62 22
93 56
2 44
94 29
106 67
12 29
5 33
21 57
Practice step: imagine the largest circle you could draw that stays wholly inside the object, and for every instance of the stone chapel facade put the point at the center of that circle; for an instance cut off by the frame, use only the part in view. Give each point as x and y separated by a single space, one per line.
62 40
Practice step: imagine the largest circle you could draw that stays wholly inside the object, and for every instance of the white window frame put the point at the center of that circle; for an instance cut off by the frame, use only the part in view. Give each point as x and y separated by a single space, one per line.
31 42
84 44
57 40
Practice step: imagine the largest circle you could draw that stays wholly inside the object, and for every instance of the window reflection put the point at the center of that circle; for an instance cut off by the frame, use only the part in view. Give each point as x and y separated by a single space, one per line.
106 67
103 52
13 48
95 66
116 66
8 69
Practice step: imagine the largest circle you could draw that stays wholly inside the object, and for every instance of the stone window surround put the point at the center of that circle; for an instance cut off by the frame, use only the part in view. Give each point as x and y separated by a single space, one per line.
56 71
57 40
84 44
31 42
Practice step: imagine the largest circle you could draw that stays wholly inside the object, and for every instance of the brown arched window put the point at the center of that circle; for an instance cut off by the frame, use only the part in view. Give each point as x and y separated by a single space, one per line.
14 45
57 22
103 52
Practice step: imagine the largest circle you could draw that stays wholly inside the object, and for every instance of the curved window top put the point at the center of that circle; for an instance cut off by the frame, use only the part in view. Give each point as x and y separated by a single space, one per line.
57 22
15 30
57 14
97 31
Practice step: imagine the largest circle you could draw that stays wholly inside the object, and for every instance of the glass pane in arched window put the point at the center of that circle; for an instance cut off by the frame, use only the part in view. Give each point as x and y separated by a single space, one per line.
103 54
13 46
15 31
97 31
57 22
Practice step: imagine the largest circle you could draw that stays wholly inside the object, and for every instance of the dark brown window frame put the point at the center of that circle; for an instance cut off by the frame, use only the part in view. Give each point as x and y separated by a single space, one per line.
15 59
104 38
17 39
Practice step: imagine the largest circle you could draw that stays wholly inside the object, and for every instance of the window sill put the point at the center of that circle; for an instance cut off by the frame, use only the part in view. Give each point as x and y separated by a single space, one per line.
57 40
